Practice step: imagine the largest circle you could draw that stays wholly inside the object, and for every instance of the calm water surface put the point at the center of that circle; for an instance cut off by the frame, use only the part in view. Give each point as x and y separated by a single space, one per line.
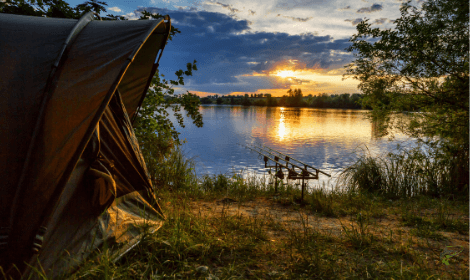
328 139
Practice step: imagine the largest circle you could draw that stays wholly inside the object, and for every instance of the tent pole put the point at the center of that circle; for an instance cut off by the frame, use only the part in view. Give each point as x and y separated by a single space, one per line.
154 67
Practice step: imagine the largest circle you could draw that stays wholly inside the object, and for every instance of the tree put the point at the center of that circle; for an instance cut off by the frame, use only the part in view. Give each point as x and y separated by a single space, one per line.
270 101
246 101
206 100
283 101
55 8
156 133
295 97
421 65
50 8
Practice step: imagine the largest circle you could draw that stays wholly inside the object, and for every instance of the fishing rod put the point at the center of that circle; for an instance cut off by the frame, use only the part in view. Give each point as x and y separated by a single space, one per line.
276 161
305 171
289 157
286 160
304 175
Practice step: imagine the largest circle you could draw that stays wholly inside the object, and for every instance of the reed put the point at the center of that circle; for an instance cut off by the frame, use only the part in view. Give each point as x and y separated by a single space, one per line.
198 244
408 173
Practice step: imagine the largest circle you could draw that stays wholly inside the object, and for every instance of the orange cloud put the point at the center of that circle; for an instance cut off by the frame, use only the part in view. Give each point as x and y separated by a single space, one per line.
292 74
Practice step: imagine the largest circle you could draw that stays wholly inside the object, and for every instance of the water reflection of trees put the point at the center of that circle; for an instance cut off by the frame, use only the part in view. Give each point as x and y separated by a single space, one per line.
375 130
293 115
389 125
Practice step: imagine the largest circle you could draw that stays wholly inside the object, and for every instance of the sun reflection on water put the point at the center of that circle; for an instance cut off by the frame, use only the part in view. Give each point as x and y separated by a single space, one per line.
282 126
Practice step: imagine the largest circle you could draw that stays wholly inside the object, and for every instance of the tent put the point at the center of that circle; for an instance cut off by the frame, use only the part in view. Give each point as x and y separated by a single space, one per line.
72 174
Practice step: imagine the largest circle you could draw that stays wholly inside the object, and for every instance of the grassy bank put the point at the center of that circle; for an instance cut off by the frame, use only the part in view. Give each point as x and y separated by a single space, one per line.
224 227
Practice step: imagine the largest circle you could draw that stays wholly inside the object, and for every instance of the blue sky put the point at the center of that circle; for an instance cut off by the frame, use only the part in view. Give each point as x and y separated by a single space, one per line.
260 46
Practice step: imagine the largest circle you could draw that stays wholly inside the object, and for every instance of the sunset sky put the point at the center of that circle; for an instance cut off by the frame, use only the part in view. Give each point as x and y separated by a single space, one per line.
259 46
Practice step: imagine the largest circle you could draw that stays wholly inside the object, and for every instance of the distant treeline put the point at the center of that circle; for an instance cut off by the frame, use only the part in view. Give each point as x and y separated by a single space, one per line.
294 98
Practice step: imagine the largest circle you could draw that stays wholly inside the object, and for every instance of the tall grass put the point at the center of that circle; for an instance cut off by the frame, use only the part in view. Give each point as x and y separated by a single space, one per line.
173 170
410 173
196 242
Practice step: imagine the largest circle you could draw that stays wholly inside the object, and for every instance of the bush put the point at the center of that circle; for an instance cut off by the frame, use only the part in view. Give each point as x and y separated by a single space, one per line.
206 100
246 101
271 102
259 102
219 183
167 165
435 171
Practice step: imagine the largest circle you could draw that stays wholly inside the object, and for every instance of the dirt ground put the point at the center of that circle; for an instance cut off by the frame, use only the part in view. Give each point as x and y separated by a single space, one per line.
289 218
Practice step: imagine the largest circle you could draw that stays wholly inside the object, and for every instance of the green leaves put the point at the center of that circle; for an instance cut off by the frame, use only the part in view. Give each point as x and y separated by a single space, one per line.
52 8
152 121
156 133
421 65
157 16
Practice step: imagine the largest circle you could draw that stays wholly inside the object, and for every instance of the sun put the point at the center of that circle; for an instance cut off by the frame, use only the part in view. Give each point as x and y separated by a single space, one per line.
285 73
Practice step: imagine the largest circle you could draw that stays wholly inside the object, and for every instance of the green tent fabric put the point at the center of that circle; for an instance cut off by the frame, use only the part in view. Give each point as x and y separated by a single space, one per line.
70 164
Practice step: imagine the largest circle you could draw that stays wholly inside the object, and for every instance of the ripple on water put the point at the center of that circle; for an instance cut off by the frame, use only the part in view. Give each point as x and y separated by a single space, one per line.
328 139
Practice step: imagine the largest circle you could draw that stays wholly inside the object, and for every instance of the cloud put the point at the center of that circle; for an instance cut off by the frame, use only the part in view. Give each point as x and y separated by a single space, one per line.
380 20
115 9
354 21
252 12
300 4
227 6
186 8
296 18
345 8
301 19
373 8
131 16
229 53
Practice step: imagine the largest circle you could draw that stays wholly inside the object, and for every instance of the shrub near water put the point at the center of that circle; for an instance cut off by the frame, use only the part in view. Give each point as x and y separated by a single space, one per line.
409 173
200 240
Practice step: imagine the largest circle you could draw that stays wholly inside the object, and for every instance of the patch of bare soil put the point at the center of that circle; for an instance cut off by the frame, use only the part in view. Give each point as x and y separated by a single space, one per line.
386 227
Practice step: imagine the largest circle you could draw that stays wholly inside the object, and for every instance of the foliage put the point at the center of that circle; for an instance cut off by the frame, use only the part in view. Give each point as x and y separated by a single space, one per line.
246 101
409 173
206 100
294 98
221 234
148 15
270 101
259 102
152 126
170 170
282 101
61 9
54 8
421 64
339 101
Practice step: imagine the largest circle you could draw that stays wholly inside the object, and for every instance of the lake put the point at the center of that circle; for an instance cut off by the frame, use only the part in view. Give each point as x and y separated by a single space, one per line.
327 139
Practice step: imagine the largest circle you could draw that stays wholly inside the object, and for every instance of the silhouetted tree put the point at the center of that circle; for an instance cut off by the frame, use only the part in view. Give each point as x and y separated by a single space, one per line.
295 97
